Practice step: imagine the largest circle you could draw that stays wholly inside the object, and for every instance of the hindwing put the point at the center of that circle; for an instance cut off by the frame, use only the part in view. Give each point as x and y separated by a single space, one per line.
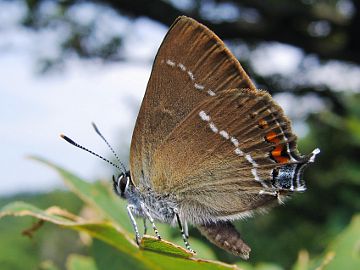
235 152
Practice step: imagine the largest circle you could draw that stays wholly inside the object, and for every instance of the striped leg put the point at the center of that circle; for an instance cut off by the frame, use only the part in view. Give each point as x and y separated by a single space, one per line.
129 208
184 237
145 226
146 212
186 229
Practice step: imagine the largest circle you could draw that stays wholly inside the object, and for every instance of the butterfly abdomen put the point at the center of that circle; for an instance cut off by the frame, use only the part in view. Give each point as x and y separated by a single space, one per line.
224 235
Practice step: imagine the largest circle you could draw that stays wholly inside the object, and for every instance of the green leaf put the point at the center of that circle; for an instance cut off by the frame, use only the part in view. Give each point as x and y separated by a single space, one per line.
105 231
97 195
344 252
109 258
153 255
153 244
79 262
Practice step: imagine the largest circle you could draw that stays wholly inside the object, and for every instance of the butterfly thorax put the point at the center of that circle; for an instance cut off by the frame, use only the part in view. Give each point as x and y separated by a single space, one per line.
161 207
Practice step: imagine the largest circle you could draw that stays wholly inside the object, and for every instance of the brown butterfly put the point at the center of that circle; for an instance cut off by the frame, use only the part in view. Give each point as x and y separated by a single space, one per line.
208 147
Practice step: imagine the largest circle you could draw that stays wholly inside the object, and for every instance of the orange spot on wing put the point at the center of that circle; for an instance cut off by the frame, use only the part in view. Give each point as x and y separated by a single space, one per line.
277 151
282 159
277 154
272 137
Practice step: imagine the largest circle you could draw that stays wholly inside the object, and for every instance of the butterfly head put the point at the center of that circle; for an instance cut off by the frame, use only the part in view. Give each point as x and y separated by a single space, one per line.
122 184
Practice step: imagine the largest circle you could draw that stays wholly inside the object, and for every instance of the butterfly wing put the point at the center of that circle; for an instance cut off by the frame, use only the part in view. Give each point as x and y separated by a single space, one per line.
191 65
232 154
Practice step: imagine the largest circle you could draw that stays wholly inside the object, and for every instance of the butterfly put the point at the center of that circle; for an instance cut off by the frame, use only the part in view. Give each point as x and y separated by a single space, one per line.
208 147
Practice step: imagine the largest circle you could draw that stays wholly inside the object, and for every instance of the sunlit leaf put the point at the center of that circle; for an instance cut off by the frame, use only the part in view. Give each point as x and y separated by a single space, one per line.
162 255
153 244
97 195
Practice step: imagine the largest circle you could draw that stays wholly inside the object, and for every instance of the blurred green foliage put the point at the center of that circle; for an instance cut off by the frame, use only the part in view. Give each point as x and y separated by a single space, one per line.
48 243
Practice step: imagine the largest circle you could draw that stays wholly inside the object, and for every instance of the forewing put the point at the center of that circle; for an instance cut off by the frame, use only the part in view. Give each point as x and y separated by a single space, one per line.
220 160
191 65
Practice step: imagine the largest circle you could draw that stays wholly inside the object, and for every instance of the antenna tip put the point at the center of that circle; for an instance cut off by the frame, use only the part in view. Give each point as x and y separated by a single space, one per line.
95 127
66 138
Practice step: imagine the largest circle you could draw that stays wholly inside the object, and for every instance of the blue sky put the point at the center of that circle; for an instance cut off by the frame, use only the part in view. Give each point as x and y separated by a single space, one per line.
35 108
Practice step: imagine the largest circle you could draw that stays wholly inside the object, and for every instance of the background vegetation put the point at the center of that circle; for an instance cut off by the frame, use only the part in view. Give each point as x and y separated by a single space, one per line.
315 223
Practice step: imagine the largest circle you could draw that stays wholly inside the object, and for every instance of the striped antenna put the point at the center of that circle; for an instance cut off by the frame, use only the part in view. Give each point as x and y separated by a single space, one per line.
112 150
91 152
